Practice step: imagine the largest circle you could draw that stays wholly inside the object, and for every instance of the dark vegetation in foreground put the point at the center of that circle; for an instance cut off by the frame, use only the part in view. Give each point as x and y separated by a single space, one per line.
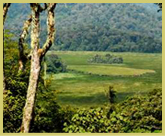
136 114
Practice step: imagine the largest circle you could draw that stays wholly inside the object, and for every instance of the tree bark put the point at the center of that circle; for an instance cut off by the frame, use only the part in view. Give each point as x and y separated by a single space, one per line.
35 70
45 71
50 28
5 10
22 56
36 58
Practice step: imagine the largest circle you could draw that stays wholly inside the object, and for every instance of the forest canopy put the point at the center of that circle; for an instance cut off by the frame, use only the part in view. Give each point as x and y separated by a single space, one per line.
99 27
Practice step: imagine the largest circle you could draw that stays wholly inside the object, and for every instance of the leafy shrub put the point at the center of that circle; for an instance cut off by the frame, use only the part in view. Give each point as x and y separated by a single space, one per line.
144 112
16 86
47 117
12 112
55 64
92 120
136 114
47 113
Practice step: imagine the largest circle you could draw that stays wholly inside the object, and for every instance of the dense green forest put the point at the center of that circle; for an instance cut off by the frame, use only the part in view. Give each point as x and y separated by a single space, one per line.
99 27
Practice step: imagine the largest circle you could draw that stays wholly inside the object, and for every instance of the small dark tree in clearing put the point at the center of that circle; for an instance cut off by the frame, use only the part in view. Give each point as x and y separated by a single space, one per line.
111 97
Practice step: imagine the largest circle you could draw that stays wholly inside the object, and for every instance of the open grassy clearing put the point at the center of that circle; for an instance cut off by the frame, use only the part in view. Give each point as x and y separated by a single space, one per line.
85 90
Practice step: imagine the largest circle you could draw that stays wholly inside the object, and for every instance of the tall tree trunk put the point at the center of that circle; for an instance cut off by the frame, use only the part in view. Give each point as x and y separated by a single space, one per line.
31 93
5 10
36 58
35 71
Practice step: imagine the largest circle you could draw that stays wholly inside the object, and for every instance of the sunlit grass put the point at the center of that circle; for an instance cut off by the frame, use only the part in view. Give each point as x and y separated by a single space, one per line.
109 70
139 74
65 76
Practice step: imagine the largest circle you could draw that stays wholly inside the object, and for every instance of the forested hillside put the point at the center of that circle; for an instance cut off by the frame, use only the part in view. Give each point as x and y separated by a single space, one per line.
99 27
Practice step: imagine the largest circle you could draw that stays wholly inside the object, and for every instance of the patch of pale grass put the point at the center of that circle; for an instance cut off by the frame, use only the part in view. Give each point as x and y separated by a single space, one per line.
65 75
109 70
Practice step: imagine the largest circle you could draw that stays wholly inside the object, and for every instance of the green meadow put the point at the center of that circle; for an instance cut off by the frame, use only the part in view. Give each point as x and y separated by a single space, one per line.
85 84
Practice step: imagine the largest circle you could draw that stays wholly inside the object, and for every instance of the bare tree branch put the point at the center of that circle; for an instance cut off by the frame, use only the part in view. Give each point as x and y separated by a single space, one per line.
5 10
39 7
160 6
43 8
22 56
50 28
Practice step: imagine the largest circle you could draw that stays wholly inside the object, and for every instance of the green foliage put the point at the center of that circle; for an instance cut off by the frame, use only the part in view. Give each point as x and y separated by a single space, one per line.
10 59
12 112
91 120
157 131
118 27
137 114
122 28
144 112
16 86
49 117
47 112
55 64
107 59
